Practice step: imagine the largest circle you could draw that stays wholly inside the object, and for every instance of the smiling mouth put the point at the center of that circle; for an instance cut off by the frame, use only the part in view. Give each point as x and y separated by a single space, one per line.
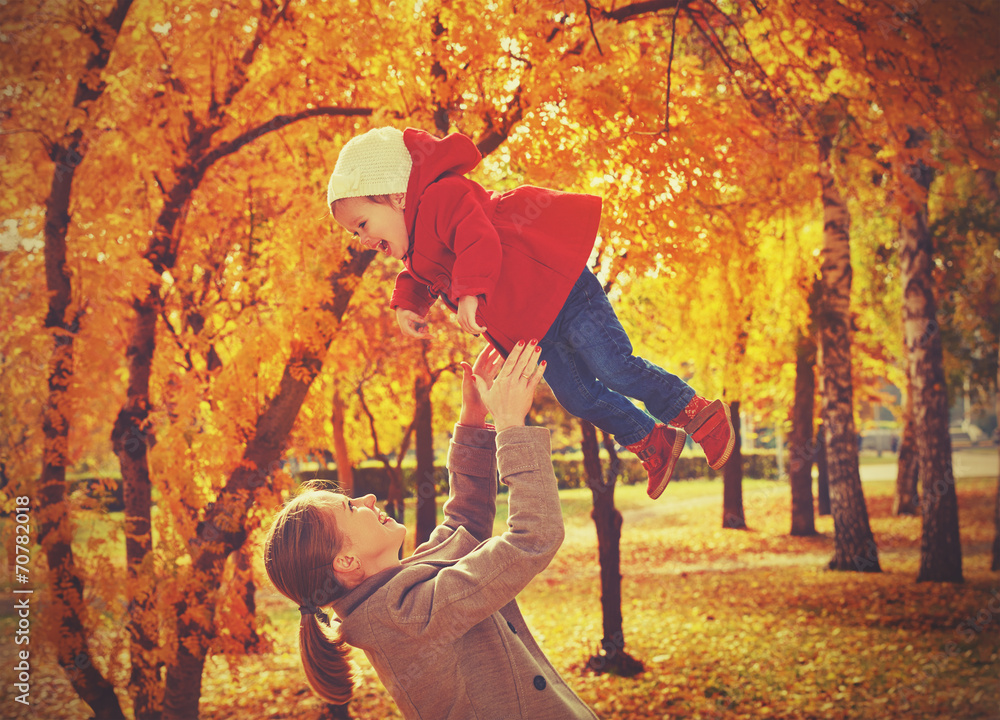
383 247
383 518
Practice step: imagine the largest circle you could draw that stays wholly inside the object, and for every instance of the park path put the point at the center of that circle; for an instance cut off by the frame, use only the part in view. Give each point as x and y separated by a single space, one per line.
965 463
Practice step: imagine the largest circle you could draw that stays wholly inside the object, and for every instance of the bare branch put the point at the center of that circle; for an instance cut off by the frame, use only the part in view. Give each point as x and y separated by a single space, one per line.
670 65
270 17
371 424
634 10
753 58
99 60
590 19
275 123
497 135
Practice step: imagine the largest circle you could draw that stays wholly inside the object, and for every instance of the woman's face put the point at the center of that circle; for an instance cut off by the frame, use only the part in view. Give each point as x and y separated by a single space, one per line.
367 533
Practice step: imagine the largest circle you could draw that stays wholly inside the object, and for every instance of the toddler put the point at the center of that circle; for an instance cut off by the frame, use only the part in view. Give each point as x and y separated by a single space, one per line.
513 266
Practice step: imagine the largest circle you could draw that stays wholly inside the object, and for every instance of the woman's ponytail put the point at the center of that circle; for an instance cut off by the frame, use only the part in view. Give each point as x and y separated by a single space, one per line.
298 555
324 659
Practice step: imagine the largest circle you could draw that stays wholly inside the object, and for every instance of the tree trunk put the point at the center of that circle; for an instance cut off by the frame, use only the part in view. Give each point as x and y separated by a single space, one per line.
183 683
345 473
608 523
995 565
854 545
131 440
988 181
244 584
822 472
335 712
395 502
802 448
440 92
131 443
55 526
424 430
732 479
223 531
907 467
394 506
940 547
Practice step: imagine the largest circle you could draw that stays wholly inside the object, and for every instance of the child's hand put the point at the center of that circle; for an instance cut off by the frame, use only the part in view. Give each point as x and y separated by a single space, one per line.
467 306
509 397
411 324
487 365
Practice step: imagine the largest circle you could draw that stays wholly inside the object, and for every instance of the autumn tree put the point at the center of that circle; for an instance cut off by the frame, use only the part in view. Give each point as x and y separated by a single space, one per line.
995 562
802 443
880 68
941 549
907 497
963 225
211 287
854 547
931 43
416 366
64 137
612 656
133 439
199 144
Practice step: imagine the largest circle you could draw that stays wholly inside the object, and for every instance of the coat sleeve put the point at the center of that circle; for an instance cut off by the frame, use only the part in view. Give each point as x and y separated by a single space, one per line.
410 294
463 594
463 225
472 486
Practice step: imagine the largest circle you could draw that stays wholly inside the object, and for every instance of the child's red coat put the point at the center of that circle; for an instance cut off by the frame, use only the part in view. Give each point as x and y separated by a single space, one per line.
519 251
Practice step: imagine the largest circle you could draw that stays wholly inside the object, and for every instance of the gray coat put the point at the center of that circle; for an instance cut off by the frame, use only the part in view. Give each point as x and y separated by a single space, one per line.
443 631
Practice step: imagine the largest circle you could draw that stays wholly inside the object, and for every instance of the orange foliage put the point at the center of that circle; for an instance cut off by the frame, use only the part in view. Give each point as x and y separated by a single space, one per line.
709 234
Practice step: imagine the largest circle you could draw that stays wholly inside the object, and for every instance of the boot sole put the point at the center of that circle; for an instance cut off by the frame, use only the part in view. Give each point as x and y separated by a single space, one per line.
675 452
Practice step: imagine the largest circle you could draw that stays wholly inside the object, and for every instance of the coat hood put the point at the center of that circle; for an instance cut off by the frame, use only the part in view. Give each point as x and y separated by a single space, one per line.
432 158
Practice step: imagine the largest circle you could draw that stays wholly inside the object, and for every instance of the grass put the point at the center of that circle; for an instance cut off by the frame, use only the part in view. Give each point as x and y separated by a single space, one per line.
869 457
729 624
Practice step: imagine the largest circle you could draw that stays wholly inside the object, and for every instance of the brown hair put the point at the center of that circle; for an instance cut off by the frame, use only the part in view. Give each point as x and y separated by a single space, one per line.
299 550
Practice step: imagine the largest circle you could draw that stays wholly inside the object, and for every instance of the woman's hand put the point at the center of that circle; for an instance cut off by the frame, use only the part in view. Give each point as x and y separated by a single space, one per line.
487 365
467 306
509 397
411 324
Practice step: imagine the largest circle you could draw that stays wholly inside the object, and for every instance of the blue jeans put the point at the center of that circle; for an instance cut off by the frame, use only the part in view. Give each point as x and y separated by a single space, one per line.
591 369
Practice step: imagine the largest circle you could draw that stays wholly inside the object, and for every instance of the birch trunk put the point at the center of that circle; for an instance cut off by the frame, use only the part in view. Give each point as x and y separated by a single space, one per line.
854 545
988 178
940 547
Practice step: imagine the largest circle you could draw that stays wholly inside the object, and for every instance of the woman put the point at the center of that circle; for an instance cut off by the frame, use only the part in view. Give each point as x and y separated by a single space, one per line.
441 628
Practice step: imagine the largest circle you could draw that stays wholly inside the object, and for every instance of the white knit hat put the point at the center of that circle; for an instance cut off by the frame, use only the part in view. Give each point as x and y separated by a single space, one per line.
374 163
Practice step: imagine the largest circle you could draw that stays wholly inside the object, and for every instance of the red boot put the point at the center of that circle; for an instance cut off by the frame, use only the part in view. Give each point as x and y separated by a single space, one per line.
710 425
659 452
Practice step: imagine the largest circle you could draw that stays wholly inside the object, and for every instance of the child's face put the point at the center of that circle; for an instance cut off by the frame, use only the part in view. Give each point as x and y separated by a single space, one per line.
368 533
378 226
